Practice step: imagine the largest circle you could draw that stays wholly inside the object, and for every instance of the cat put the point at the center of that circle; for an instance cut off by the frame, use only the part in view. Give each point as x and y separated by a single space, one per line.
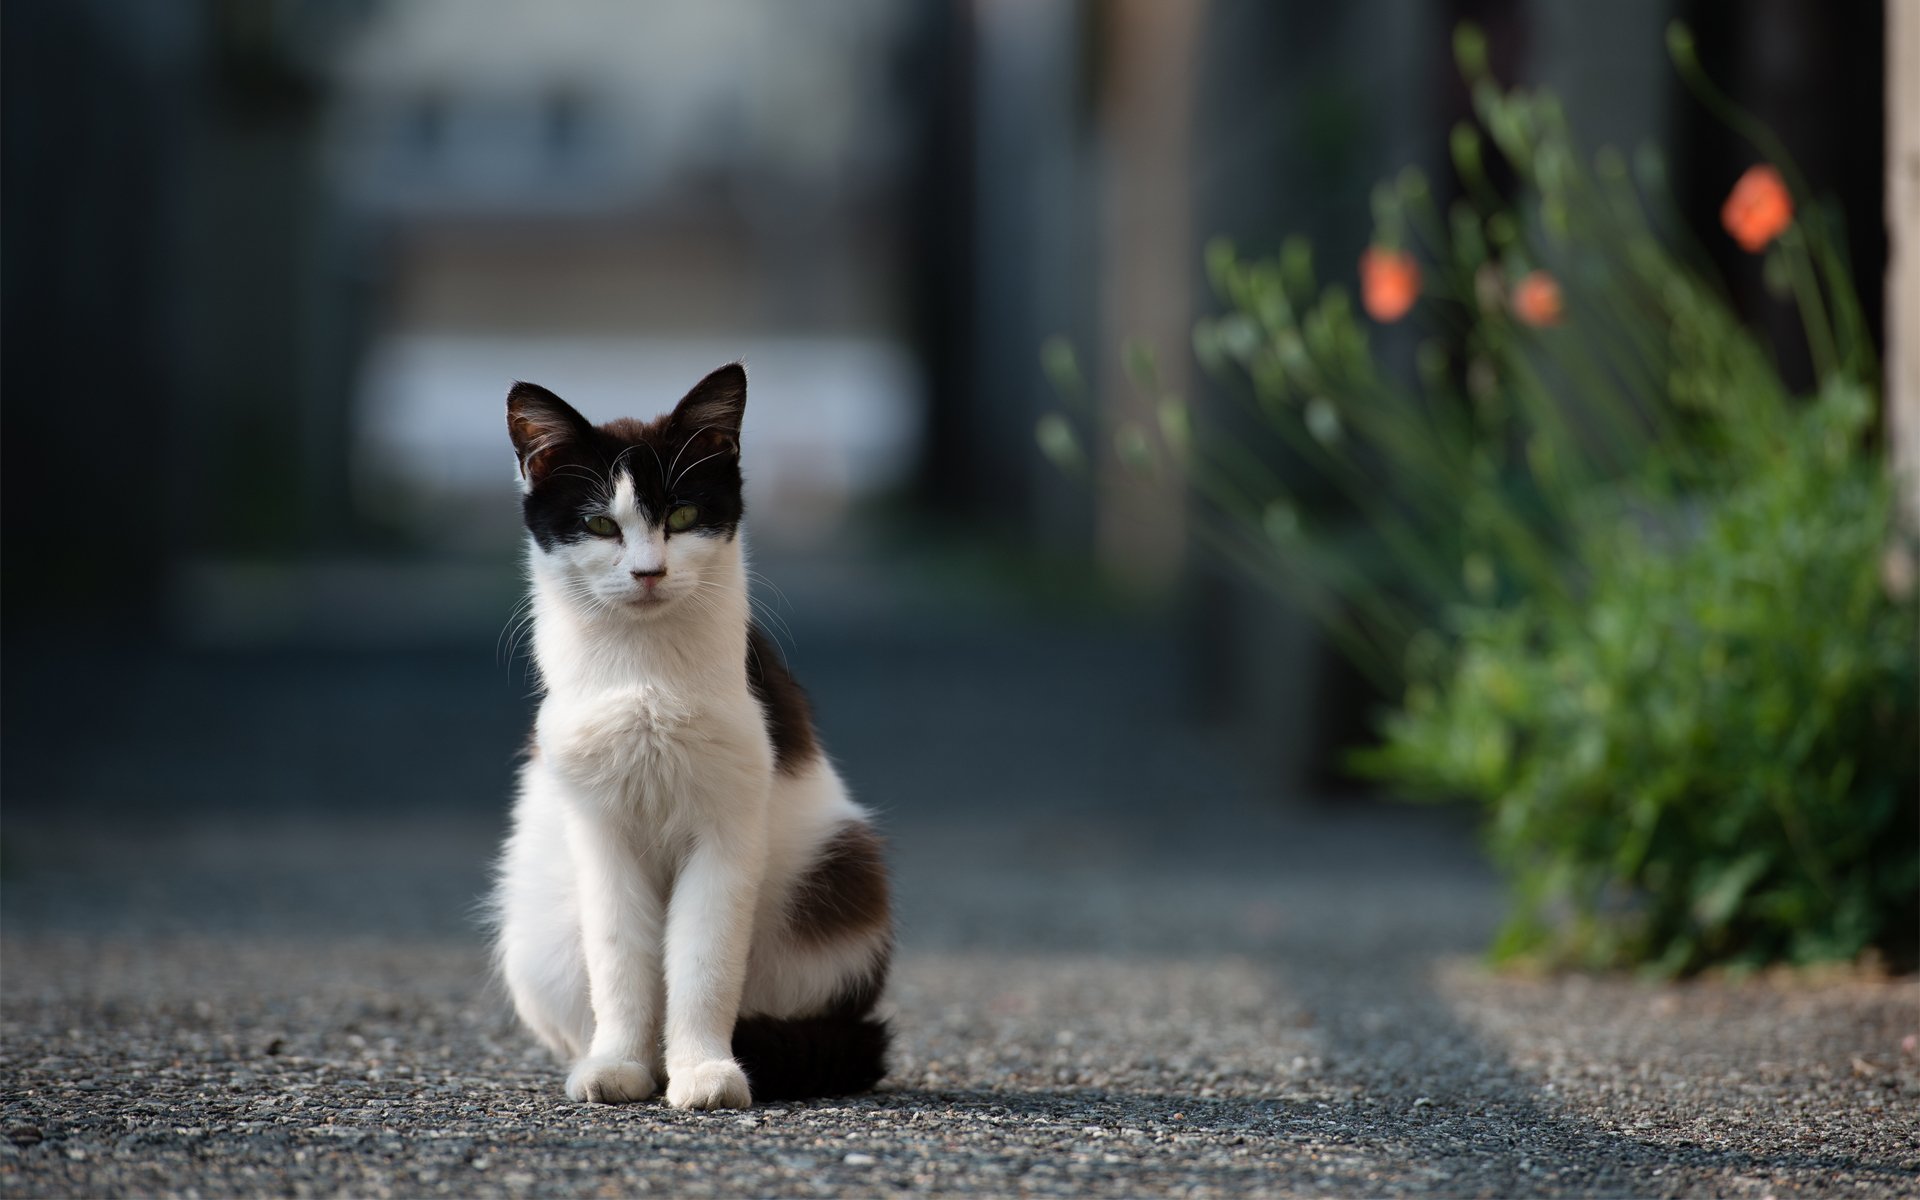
688 895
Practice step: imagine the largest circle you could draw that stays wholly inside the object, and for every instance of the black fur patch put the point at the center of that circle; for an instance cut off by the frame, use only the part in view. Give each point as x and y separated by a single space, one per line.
845 891
841 1051
690 456
789 716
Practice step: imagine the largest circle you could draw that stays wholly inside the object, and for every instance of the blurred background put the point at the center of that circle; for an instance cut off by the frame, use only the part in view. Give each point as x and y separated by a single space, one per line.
270 265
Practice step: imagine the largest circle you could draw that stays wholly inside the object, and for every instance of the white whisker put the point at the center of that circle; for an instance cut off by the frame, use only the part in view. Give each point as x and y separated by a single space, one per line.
690 466
682 450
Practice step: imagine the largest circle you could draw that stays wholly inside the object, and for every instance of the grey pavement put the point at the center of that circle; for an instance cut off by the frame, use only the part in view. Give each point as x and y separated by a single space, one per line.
238 956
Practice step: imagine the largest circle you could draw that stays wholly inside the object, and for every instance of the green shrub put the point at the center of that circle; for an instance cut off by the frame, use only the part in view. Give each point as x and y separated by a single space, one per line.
1629 586
1710 755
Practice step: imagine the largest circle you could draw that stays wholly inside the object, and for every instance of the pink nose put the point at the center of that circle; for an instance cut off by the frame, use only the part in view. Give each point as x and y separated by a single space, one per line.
650 579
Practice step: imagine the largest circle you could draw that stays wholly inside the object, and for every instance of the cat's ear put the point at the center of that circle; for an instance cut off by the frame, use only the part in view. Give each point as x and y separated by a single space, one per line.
541 424
715 407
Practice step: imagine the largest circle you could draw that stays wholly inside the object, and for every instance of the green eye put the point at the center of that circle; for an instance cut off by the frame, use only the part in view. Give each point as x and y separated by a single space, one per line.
603 525
682 518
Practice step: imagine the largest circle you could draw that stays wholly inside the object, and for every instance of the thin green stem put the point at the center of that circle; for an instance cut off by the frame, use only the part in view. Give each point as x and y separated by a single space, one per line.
1813 311
1742 122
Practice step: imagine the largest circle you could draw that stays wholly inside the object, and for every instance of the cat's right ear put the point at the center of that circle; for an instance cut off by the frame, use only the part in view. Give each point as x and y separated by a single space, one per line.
541 424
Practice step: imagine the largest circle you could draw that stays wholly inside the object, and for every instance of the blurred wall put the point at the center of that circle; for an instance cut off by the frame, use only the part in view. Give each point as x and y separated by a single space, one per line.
181 303
269 265
281 259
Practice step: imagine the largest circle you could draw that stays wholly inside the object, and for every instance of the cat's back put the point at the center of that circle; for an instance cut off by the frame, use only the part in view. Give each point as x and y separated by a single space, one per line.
811 806
783 703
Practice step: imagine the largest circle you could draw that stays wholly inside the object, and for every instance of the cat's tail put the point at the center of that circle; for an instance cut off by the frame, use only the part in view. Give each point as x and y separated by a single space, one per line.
836 1054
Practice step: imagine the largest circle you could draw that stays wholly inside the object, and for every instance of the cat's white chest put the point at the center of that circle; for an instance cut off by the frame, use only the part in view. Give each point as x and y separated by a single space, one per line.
637 740
654 717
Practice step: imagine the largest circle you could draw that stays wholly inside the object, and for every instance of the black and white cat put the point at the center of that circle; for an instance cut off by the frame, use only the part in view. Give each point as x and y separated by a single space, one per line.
688 895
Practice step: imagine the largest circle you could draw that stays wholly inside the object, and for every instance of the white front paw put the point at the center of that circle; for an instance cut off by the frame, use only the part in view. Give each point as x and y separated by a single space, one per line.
609 1081
717 1083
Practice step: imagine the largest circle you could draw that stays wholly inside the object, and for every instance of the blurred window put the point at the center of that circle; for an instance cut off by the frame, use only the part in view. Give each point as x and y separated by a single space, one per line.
426 125
565 127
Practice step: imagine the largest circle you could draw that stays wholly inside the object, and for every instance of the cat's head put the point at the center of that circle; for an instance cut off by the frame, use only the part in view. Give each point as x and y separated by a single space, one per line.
631 517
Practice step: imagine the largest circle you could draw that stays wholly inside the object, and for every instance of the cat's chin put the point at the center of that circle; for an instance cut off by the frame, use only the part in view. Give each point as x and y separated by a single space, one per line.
647 604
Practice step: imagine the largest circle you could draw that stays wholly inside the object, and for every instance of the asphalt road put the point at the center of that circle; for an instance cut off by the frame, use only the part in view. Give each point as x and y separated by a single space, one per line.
238 957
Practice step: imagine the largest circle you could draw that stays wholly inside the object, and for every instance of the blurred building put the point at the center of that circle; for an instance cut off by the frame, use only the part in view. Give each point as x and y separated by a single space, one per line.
612 199
270 265
182 300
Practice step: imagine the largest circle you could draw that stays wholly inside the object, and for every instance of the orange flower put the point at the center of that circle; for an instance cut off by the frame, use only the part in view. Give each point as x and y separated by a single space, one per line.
1536 299
1389 283
1758 209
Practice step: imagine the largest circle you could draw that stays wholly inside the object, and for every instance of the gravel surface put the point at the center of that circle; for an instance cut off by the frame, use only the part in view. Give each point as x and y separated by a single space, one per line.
1120 973
1128 1032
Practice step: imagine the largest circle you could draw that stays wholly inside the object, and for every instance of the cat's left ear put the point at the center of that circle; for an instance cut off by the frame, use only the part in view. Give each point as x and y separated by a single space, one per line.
543 428
715 407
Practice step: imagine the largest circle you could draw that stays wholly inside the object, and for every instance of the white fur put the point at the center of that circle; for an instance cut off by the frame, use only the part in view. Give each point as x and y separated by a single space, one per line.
641 894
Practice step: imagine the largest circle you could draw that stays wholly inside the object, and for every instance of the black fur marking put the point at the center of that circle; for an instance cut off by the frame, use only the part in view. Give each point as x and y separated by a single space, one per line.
837 1053
690 456
789 717
845 891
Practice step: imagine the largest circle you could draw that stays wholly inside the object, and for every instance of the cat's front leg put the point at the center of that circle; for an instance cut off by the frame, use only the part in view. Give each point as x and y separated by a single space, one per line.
620 928
709 930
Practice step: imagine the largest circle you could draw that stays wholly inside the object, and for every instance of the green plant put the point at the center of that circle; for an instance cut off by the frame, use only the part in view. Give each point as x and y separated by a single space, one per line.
1708 756
1629 586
